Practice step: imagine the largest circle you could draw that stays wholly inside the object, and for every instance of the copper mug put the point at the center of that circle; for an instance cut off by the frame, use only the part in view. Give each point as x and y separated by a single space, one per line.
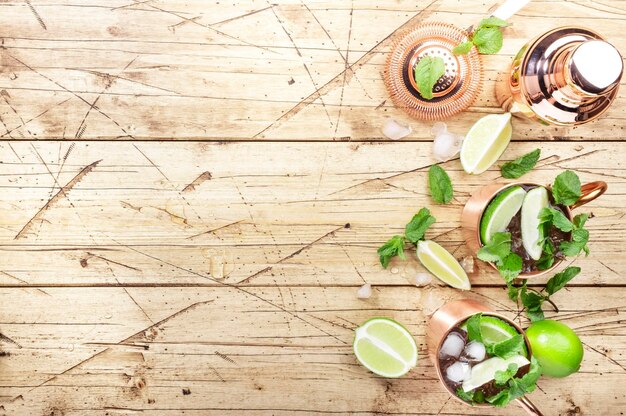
476 205
451 315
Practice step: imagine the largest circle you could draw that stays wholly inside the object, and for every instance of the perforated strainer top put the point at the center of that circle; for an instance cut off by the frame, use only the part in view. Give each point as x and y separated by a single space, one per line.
453 92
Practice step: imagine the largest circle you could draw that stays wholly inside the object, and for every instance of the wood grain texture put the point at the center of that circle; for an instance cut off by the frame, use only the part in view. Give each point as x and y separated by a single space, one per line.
169 70
193 192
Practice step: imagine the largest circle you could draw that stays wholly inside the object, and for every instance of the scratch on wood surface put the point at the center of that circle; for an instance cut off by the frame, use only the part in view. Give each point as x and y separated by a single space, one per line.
337 80
113 261
37 16
213 230
203 177
9 340
225 357
62 193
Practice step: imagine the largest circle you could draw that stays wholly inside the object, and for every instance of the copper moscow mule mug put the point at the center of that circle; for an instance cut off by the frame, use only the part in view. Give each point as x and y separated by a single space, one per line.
476 205
451 315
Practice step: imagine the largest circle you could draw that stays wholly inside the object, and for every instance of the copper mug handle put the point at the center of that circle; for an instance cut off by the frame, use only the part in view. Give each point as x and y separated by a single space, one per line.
527 405
589 192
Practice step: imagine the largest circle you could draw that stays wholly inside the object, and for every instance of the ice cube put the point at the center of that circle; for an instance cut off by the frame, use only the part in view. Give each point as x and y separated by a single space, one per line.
422 279
446 144
458 372
364 291
395 131
452 346
474 351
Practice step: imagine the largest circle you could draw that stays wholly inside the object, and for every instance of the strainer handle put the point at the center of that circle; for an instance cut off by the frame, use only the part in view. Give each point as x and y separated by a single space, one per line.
527 405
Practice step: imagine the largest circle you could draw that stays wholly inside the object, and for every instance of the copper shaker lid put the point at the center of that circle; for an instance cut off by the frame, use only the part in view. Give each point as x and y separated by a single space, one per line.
596 67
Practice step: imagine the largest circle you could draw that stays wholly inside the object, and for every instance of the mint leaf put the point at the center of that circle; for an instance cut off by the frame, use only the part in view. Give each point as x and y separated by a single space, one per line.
529 380
473 328
532 301
580 237
439 184
492 22
555 217
427 71
520 166
566 188
497 249
488 40
415 229
559 280
501 399
511 267
501 377
465 396
393 247
462 48
508 348
513 291
547 256
580 220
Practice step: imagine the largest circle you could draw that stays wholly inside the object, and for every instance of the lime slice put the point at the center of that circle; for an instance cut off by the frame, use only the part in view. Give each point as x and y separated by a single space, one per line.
442 264
500 212
532 237
485 371
385 347
485 142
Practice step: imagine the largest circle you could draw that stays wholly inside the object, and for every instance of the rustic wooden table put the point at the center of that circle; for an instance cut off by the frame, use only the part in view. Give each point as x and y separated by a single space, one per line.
193 191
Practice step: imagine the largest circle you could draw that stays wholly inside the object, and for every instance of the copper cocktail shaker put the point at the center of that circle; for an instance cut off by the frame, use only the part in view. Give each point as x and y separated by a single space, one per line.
567 76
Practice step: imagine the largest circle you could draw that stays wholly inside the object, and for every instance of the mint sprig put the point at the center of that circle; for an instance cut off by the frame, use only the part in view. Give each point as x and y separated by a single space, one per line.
487 37
533 300
427 71
518 387
413 232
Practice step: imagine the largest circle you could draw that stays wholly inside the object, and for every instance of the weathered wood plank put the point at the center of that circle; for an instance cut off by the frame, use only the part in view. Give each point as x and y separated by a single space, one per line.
255 213
186 340
196 70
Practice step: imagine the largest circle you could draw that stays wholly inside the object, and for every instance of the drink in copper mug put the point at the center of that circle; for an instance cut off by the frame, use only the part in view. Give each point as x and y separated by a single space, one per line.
566 77
447 323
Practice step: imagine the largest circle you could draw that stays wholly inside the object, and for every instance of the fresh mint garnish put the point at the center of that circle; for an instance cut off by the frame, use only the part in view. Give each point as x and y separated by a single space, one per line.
580 237
511 267
501 377
393 247
487 37
473 328
465 396
439 184
427 71
547 256
566 188
413 232
520 166
518 387
498 248
416 228
556 218
507 348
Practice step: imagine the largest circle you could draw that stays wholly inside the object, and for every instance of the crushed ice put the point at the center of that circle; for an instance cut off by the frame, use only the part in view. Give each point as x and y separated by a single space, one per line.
422 279
395 131
364 291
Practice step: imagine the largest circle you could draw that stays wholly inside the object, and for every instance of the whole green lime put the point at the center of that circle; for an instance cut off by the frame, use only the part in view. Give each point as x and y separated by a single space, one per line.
557 348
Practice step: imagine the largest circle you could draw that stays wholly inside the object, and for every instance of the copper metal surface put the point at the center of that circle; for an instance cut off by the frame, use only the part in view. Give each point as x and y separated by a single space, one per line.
476 205
451 315
544 82
454 91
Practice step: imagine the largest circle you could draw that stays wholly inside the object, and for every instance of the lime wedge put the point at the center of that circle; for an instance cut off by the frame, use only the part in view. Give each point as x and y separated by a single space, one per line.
485 142
385 347
532 237
486 371
442 264
500 212
494 330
